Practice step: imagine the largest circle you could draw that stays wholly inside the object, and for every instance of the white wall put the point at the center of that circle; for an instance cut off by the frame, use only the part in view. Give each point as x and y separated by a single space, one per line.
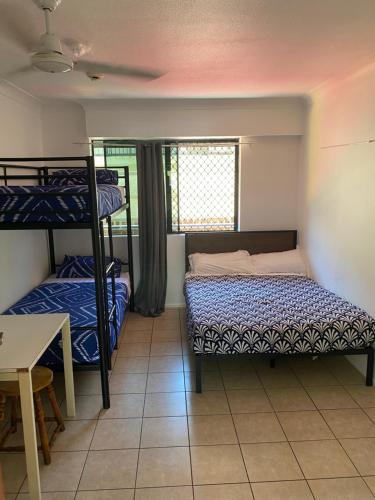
269 166
337 197
23 254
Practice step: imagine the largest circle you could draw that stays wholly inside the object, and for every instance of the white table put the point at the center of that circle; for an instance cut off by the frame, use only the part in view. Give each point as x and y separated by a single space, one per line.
26 337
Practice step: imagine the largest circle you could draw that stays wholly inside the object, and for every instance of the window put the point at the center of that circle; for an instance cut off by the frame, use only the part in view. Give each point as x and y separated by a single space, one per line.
201 186
201 180
116 158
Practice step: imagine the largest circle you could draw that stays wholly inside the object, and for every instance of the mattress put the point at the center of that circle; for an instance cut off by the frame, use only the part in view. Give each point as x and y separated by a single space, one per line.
271 314
76 297
43 204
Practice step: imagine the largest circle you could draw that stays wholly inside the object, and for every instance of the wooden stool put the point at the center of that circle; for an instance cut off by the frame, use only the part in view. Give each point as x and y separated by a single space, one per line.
42 379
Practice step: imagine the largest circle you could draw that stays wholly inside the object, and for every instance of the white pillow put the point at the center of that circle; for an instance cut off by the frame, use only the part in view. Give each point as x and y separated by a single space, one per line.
221 263
290 262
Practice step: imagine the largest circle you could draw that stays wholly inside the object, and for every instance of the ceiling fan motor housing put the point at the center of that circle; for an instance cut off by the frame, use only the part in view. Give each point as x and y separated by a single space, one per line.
49 57
50 5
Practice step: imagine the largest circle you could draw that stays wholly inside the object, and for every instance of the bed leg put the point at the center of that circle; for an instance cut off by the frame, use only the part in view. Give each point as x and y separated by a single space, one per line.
272 362
370 366
198 374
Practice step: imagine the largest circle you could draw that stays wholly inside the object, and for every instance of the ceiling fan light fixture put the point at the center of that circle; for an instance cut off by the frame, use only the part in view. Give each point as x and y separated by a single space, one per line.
52 62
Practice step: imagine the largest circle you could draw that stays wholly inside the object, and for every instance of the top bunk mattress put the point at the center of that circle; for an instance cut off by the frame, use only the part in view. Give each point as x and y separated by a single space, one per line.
271 314
59 204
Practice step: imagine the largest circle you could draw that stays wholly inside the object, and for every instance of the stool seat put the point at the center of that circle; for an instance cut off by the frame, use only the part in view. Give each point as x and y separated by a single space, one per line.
41 377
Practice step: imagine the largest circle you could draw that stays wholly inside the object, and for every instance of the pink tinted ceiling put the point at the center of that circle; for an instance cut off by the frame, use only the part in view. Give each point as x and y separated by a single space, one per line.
218 48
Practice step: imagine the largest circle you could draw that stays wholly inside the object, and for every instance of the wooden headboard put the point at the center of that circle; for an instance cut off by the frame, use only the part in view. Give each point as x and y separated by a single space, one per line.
253 241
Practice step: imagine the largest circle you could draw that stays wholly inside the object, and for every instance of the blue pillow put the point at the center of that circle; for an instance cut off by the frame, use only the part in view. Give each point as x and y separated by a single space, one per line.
78 176
77 266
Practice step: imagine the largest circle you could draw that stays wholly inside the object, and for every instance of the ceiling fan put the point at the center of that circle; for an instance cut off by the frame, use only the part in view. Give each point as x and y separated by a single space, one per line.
48 55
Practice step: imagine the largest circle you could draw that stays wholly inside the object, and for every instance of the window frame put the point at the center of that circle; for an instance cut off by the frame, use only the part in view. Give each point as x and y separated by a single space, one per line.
168 189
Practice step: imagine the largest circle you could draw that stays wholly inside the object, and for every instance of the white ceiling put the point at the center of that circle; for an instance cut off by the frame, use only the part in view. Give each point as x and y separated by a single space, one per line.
208 48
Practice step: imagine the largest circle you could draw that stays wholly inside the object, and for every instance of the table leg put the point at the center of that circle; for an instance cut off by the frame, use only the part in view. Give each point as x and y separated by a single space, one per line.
68 369
29 431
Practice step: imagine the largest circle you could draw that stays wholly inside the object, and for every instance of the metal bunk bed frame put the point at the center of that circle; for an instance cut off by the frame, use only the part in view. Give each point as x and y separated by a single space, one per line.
96 224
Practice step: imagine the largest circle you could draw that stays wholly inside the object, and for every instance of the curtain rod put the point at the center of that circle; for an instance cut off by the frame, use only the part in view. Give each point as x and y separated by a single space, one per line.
184 144
356 143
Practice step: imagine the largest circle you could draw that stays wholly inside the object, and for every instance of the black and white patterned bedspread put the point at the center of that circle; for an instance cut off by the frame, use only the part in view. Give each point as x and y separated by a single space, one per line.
72 204
271 314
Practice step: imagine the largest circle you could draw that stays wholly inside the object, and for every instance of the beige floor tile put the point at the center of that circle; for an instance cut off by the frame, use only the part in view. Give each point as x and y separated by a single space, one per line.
168 364
87 383
161 432
114 469
353 488
364 396
133 350
323 459
304 425
124 406
164 467
166 336
207 403
344 371
217 464
127 383
87 408
237 363
136 326
57 495
258 428
315 376
362 454
370 481
117 434
211 429
161 324
270 462
284 490
370 412
331 398
249 401
127 494
349 423
211 381
131 365
167 404
278 377
208 365
169 493
14 471
241 380
132 337
223 492
290 399
166 349
76 437
63 473
165 382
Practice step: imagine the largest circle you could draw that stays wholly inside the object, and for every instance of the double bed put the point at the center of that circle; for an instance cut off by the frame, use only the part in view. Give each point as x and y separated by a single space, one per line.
270 315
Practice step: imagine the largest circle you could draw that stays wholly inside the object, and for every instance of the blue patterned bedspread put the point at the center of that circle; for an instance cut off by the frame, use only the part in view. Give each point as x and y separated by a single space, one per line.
271 314
71 206
78 299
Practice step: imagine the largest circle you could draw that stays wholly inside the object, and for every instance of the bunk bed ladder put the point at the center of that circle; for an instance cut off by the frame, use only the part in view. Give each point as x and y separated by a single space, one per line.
98 269
107 327
113 312
129 237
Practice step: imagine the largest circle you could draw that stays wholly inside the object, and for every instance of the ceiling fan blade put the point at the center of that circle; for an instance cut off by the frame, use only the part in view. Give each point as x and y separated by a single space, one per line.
97 68
14 27
78 48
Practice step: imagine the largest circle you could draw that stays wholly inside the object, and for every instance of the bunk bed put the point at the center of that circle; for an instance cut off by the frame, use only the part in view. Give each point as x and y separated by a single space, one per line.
97 306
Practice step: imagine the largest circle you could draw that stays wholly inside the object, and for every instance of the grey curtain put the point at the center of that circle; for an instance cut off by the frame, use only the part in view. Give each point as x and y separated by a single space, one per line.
149 298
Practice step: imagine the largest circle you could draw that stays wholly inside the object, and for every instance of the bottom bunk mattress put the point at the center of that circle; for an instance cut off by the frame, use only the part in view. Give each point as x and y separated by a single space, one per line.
271 314
76 297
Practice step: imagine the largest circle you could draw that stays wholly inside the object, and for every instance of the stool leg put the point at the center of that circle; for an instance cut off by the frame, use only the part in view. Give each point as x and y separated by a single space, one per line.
13 415
44 441
55 407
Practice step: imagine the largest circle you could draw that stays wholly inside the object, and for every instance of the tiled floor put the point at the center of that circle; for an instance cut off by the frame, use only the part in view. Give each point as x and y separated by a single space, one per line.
303 430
